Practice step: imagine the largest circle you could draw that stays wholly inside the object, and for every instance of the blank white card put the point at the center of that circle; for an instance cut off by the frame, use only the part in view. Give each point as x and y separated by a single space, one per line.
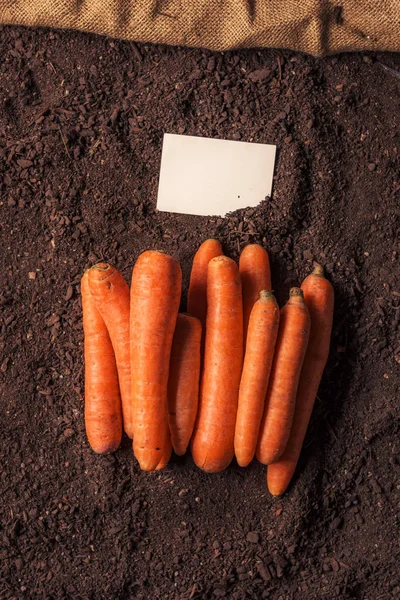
202 176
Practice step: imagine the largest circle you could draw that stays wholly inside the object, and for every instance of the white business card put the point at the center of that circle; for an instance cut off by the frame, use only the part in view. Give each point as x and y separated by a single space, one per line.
203 176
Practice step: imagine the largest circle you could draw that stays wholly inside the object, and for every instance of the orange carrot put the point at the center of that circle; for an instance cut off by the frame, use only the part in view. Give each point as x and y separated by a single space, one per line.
261 338
212 442
111 295
291 345
155 297
256 276
197 294
164 461
183 382
103 419
319 297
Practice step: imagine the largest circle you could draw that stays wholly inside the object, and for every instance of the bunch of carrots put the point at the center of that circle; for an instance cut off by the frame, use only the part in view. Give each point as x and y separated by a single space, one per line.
234 376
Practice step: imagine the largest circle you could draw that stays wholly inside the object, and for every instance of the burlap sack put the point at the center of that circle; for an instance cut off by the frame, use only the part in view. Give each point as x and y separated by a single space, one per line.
315 26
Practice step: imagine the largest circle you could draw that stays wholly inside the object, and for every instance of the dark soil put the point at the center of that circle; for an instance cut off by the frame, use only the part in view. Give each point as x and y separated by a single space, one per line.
81 126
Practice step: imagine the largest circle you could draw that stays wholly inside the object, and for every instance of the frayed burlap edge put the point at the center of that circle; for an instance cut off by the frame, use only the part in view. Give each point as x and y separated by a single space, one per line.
319 27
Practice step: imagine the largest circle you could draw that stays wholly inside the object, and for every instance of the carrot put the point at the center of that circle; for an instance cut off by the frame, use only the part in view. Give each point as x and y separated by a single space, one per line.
256 276
291 345
261 337
111 295
212 442
103 420
197 294
155 297
319 297
183 382
164 460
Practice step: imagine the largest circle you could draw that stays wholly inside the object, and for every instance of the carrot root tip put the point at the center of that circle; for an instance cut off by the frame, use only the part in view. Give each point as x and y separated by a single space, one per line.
276 493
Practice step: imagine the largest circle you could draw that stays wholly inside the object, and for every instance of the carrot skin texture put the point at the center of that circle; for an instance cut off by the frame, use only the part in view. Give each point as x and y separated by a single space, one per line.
319 297
213 439
197 293
291 345
164 461
155 296
255 274
103 417
261 339
111 295
183 382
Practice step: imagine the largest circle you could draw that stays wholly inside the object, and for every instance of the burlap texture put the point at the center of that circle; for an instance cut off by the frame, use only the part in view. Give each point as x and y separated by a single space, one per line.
315 26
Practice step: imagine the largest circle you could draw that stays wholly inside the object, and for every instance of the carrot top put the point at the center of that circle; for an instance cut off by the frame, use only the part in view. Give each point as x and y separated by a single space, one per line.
318 270
295 291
